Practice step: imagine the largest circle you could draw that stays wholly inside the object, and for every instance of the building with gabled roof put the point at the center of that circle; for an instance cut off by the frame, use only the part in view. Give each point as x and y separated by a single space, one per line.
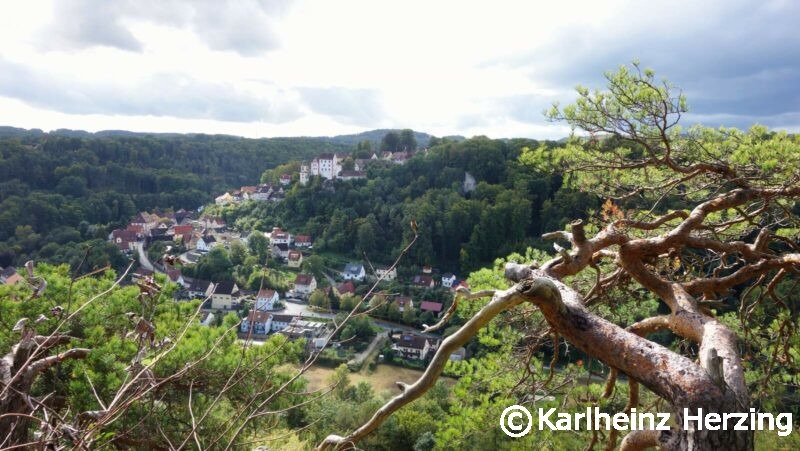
266 299
354 271
304 285
430 306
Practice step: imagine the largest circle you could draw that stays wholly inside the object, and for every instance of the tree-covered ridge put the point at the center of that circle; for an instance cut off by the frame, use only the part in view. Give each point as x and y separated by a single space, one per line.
461 227
58 191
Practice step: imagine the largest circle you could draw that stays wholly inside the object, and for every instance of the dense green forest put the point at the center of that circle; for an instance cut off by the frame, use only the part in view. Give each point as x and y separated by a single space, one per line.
60 192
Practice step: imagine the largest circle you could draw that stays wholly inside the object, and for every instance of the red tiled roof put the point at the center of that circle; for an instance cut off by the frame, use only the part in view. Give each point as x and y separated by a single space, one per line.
346 287
265 294
260 316
431 306
303 279
182 229
403 301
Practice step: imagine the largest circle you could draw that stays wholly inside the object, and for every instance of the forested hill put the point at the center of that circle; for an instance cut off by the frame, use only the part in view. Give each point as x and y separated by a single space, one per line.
459 230
63 188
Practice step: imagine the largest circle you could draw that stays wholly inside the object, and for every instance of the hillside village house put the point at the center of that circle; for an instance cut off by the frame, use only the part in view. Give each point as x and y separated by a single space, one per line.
354 271
10 276
280 251
430 306
448 280
423 281
200 288
125 240
346 288
224 199
294 259
260 321
361 163
302 241
412 346
206 243
386 273
223 296
207 319
286 179
352 175
175 276
279 236
404 302
460 284
304 285
211 222
266 299
145 221
280 322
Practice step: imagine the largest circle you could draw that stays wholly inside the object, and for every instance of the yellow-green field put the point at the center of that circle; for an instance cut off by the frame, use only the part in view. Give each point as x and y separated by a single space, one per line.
383 378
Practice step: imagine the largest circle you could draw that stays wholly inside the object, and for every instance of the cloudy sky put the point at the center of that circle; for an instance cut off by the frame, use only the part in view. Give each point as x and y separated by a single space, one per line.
320 67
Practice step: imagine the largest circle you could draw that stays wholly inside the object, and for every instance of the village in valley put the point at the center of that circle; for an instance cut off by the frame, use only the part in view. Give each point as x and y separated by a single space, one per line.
313 297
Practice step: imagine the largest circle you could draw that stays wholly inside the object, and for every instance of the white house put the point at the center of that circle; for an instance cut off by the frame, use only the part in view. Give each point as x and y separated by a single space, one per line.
413 346
304 173
280 251
303 241
207 319
280 322
224 199
206 243
278 236
386 273
266 299
304 285
200 288
259 321
354 271
448 280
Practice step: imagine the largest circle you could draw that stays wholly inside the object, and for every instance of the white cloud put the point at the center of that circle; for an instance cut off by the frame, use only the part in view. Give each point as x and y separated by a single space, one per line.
315 67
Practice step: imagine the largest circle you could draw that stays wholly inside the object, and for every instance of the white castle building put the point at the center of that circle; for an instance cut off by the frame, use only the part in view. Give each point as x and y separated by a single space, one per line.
326 165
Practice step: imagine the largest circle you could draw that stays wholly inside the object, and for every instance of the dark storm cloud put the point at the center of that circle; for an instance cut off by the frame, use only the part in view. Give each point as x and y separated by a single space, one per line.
350 106
242 26
162 95
737 62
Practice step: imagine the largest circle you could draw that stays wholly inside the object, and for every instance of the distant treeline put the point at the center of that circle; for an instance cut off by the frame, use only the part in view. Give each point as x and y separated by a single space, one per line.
59 192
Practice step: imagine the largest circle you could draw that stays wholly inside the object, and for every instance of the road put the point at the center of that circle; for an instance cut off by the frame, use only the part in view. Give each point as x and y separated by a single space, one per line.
144 262
359 357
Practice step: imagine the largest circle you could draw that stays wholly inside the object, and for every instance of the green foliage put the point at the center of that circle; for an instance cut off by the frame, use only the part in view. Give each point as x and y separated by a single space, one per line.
319 299
92 184
102 325
459 231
